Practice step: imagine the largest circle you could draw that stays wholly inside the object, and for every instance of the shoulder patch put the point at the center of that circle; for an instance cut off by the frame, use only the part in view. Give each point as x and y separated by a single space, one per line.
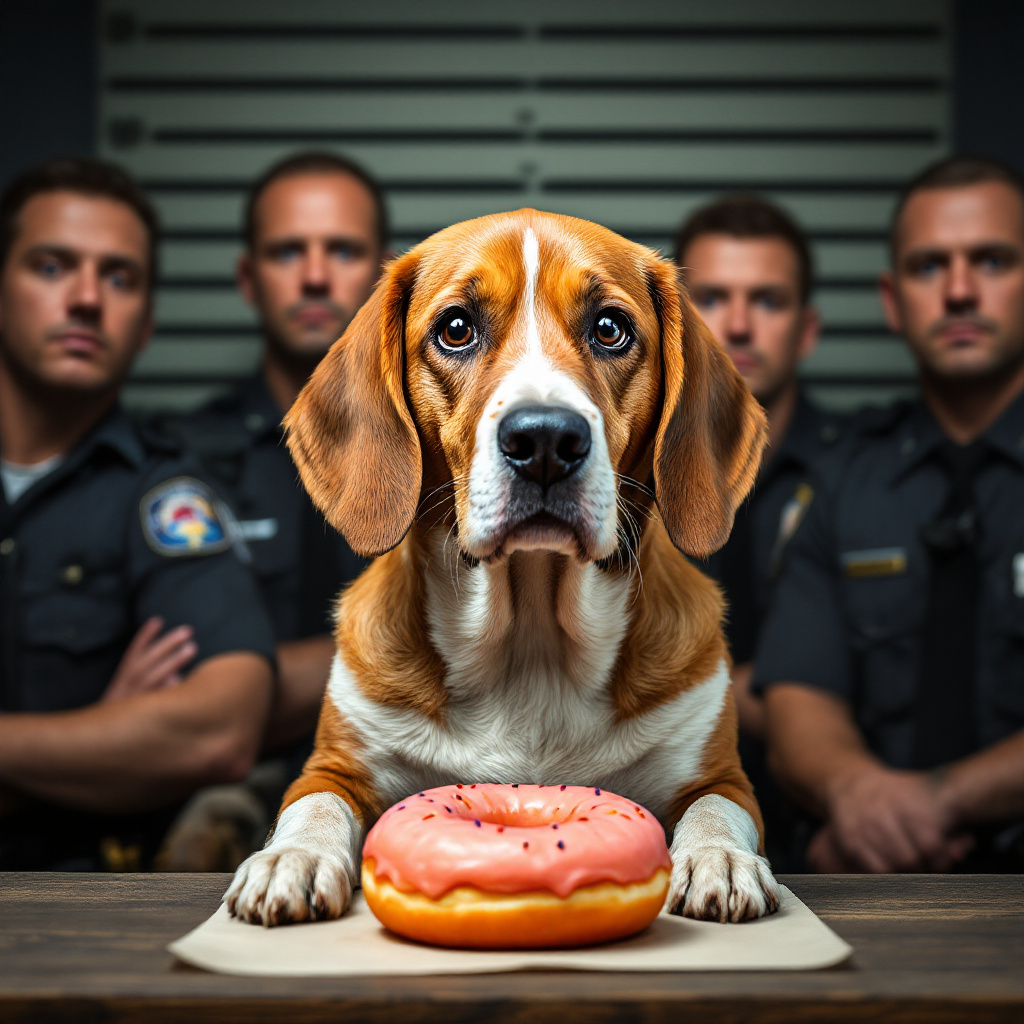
183 516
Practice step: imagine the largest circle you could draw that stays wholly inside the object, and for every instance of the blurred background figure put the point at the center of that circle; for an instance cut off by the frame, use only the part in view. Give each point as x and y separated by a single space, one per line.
106 721
315 237
633 116
315 232
893 654
748 269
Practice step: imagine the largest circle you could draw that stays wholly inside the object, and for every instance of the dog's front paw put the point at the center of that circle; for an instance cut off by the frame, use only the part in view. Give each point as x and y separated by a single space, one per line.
289 884
719 883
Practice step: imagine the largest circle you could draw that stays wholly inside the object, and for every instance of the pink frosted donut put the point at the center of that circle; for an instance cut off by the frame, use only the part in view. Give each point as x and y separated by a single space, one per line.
489 866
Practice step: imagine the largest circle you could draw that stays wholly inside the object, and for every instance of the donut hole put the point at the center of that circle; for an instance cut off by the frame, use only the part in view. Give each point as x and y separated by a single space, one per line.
510 809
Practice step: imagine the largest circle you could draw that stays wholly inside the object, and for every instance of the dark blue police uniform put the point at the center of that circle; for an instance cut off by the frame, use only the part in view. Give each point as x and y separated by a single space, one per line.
121 530
748 566
850 607
300 561
747 569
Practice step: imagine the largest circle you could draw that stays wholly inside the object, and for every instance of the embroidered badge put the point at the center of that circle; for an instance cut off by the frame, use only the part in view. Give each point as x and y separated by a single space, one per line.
874 562
183 517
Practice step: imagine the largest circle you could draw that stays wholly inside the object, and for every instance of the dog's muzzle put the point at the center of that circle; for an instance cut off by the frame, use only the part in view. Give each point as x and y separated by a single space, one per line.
544 444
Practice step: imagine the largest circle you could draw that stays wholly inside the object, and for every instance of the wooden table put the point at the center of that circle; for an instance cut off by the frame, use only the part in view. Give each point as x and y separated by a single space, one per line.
91 948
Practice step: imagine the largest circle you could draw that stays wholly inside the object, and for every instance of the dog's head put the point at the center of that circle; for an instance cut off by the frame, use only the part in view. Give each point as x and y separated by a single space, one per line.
520 369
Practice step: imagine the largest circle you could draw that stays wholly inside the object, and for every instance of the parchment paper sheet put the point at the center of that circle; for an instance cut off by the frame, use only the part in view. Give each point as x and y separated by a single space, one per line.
357 944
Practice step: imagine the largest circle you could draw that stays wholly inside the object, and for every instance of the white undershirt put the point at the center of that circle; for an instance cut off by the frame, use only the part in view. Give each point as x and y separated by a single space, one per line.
17 479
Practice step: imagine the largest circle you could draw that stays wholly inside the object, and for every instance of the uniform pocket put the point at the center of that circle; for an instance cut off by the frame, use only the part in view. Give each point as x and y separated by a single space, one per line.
79 617
885 615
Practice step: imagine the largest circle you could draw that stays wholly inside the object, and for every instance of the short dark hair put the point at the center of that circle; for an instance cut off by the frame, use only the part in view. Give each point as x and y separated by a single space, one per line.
86 177
315 162
953 172
748 216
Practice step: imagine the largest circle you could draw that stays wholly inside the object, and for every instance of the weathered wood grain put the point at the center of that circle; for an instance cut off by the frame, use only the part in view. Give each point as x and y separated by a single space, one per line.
927 948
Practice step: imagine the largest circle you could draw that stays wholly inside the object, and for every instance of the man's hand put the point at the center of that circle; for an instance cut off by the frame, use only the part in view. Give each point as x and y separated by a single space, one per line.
152 662
883 820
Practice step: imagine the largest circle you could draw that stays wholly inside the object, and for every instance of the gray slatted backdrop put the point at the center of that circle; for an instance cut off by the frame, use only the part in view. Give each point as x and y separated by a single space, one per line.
630 114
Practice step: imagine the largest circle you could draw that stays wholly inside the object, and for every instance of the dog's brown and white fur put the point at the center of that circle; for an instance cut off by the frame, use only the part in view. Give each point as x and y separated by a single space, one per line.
518 628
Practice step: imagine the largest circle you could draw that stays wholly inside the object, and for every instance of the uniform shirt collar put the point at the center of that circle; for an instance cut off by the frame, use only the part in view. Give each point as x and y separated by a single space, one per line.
1007 433
810 430
919 434
260 414
116 431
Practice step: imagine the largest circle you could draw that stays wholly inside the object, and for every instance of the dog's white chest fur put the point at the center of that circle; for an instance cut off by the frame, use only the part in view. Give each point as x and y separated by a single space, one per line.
530 654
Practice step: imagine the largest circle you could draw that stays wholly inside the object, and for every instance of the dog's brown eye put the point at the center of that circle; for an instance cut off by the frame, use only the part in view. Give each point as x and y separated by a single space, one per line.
456 331
611 330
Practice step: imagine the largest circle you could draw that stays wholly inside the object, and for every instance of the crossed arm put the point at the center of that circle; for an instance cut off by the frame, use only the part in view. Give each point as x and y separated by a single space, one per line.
303 667
145 748
878 818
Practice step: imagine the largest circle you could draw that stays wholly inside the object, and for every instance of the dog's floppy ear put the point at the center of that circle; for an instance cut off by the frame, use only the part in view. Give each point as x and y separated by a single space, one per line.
350 430
708 447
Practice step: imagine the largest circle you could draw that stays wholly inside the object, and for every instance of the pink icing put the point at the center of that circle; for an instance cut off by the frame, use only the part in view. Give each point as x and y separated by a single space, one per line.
515 839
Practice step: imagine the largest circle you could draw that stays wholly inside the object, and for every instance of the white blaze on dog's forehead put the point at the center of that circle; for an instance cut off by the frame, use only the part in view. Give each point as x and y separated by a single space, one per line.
531 261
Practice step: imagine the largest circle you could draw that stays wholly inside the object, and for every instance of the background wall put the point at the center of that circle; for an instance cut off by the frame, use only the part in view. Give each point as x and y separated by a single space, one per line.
626 114
48 81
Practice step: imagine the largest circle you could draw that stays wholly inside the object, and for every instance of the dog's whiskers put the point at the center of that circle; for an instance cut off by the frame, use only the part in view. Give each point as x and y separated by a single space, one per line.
629 536
623 479
420 510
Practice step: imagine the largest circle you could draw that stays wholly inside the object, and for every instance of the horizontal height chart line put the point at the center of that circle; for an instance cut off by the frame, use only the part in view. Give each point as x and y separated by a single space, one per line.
926 31
509 185
180 83
221 282
317 32
587 185
667 234
571 33
831 136
583 186
410 236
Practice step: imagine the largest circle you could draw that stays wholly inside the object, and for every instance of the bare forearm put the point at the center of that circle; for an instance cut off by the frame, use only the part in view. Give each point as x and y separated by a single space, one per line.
749 707
303 667
813 745
988 786
145 750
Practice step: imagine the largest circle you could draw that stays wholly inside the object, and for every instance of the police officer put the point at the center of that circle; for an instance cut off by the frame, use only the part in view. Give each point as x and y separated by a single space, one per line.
106 534
315 233
748 269
894 653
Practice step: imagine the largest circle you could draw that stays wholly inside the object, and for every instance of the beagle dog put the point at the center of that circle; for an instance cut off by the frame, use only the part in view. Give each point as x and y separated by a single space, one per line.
528 424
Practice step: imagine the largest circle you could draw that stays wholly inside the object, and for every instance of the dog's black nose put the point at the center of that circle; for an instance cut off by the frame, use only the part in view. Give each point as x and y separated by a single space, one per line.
544 443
